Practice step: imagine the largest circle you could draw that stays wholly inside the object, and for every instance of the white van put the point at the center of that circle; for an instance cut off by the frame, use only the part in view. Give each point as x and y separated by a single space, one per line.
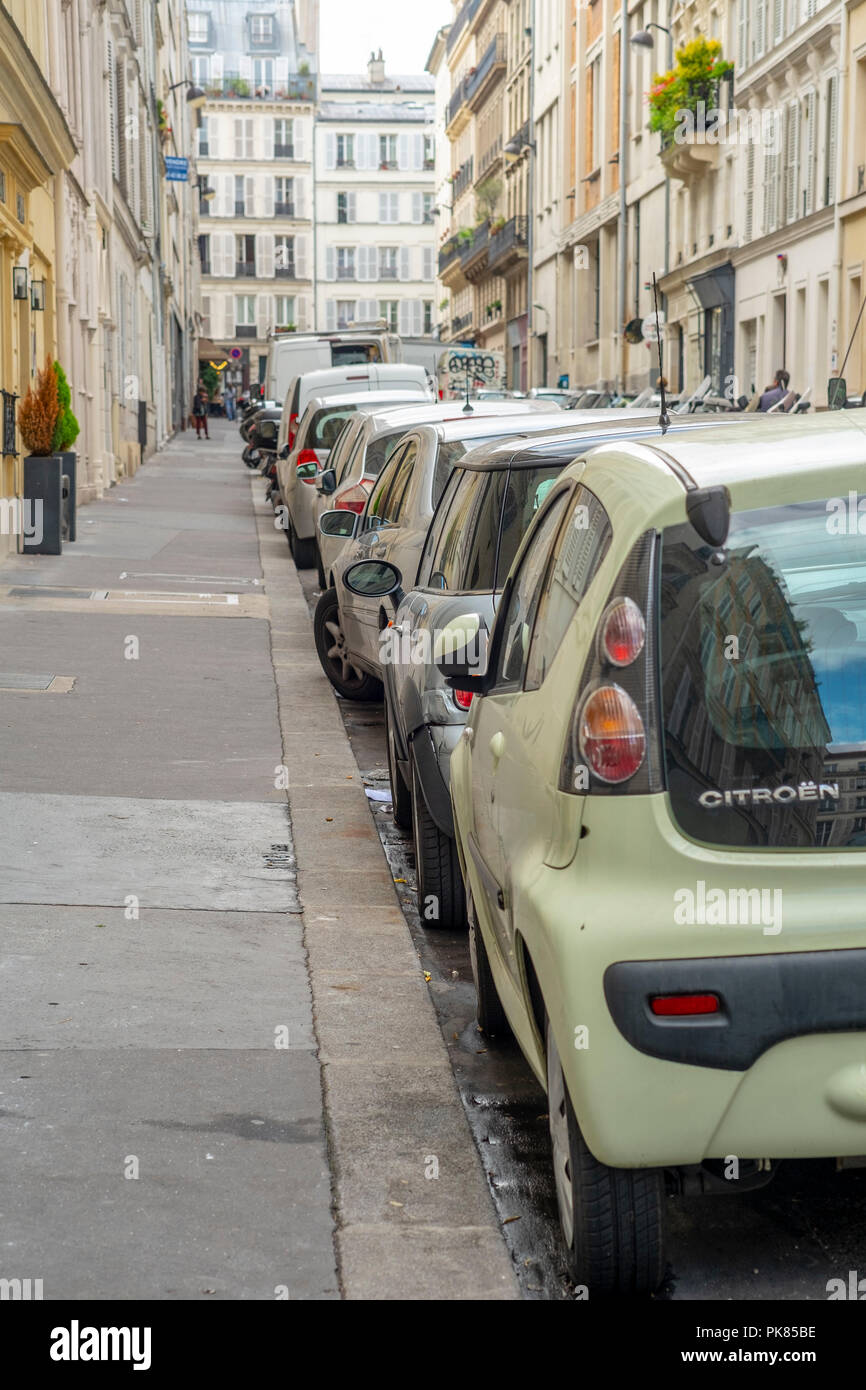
340 381
292 354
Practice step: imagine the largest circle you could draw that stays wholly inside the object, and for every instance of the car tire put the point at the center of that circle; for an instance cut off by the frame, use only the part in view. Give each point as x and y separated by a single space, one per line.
348 680
441 895
320 571
401 797
612 1219
490 1014
303 551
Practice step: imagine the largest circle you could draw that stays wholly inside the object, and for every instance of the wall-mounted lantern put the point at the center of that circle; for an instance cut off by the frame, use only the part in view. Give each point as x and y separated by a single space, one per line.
19 281
37 296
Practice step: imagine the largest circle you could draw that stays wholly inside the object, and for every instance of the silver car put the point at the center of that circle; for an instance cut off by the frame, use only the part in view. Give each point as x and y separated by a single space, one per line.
393 526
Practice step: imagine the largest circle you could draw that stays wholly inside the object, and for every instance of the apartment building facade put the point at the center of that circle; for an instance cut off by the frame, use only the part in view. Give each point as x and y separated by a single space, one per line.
375 178
256 62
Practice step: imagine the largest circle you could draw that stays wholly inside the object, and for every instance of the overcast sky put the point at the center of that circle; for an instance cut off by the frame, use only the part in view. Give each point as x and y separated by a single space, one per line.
403 29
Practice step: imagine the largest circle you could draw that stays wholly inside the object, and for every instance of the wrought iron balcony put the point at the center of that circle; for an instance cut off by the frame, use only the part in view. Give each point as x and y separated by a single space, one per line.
509 243
461 323
467 12
297 87
492 64
245 270
463 177
448 253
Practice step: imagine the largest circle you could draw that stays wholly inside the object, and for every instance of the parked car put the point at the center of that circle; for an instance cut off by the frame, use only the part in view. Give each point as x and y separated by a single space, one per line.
393 526
551 395
488 504
394 377
365 448
654 812
291 354
298 469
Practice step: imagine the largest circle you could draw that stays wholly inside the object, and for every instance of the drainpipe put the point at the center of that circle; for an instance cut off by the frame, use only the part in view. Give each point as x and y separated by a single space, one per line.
530 203
623 190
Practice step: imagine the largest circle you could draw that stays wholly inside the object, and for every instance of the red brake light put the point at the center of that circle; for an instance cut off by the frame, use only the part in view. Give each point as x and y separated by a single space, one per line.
678 1005
622 633
353 500
306 456
293 429
610 734
463 698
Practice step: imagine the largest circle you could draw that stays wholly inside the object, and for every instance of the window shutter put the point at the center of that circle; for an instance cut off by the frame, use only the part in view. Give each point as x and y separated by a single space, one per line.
383 207
298 137
228 315
742 34
363 262
265 256
264 318
214 125
361 148
417 318
403 152
245 67
749 216
267 196
792 143
352 206
302 311
112 105
330 264
759 28
809 166
331 315
429 263
778 21
300 257
417 207
239 138
281 72
830 160
216 67
404 271
300 201
405 318
330 150
373 262
249 196
418 152
372 142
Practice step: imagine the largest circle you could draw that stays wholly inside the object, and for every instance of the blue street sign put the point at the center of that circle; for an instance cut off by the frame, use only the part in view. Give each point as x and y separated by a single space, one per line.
176 169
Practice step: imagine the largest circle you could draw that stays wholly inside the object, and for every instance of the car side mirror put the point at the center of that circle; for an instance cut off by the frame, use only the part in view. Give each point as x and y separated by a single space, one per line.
375 579
460 652
285 451
328 482
339 523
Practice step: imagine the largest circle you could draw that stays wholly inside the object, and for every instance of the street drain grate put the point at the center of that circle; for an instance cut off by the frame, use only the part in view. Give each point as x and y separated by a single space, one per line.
36 591
14 680
280 857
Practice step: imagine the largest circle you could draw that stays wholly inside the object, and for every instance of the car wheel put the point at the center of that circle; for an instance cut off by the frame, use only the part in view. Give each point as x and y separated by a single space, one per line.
489 1011
320 570
401 797
304 552
612 1219
441 895
347 679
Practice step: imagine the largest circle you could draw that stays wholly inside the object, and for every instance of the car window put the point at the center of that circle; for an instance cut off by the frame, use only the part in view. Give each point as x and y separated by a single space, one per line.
352 354
339 449
347 466
398 490
458 535
448 453
579 553
526 491
427 567
324 428
379 451
518 621
379 495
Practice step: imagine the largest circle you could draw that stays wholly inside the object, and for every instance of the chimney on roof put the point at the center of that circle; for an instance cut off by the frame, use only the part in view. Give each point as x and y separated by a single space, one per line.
376 69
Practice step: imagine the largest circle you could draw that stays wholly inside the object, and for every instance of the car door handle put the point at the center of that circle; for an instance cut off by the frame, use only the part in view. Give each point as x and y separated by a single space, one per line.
497 748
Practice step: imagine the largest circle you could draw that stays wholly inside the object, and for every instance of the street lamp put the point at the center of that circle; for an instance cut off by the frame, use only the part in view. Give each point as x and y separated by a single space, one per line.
205 192
195 96
19 281
642 38
37 296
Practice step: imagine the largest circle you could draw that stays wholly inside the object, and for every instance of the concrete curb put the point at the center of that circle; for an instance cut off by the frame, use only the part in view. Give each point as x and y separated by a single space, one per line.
413 1210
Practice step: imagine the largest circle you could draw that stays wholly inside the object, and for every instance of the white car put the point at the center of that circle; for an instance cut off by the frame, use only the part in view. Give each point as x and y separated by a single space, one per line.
297 469
358 379
393 527
365 447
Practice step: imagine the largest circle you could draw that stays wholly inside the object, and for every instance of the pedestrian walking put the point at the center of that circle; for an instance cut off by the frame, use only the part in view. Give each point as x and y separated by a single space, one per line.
230 402
775 393
199 413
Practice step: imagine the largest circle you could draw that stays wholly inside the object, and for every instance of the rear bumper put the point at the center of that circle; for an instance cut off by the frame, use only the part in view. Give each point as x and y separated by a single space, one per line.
763 1000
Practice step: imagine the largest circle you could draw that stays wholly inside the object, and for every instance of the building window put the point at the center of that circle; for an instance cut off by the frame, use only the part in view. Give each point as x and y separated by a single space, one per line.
240 196
387 152
389 310
345 151
205 316
263 76
284 257
203 142
345 263
286 319
200 71
262 28
284 197
345 312
198 28
342 207
389 207
428 316
245 257
284 143
204 254
245 316
21 208
388 263
427 205
429 152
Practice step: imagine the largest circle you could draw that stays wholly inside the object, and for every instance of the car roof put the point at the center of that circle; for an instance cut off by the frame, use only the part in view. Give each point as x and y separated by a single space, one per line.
469 428
440 411
752 448
369 399
386 371
590 429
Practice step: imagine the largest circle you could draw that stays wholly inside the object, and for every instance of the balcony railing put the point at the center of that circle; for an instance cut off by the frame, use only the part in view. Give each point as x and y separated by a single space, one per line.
284 151
245 330
345 272
296 88
462 322
388 272
494 56
284 209
490 156
245 270
469 249
286 272
513 237
463 178
205 267
240 208
448 253
467 12
456 101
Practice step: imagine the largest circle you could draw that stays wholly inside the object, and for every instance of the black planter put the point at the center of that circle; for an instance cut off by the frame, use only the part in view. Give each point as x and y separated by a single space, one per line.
43 505
69 461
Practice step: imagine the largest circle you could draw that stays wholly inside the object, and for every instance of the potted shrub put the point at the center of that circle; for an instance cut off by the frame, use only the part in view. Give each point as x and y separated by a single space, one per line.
497 305
465 234
497 225
43 469
304 68
240 87
698 68
66 431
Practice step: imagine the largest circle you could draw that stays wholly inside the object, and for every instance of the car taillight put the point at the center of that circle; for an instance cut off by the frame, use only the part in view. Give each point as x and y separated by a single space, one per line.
293 429
463 698
621 633
610 734
353 500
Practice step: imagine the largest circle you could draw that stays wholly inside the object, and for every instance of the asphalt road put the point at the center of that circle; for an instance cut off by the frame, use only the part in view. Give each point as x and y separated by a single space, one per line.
784 1241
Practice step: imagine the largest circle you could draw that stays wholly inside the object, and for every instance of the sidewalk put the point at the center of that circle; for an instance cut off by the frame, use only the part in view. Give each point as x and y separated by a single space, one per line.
162 1132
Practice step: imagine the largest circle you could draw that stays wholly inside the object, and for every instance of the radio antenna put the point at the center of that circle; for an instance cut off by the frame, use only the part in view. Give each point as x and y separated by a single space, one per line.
847 355
664 418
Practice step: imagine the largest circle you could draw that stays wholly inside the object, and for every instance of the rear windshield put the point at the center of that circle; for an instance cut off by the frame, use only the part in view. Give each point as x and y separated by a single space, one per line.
352 354
763 668
326 426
